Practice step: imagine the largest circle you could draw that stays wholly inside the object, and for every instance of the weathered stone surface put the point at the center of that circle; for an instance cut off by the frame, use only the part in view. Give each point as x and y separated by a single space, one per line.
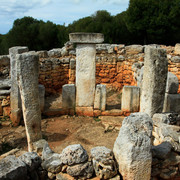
72 64
130 98
134 49
100 97
68 96
167 133
12 168
42 54
154 80
27 70
171 103
172 83
91 38
84 170
175 59
32 160
54 52
16 108
4 60
53 164
177 49
63 176
41 96
74 154
132 148
5 92
85 75
39 145
161 151
47 152
103 162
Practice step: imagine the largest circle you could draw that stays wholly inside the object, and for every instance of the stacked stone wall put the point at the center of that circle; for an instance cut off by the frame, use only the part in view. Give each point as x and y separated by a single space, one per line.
116 65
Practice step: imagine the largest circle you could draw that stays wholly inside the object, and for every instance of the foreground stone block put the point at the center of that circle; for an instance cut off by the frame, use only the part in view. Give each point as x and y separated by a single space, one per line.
132 148
69 97
100 97
103 162
12 168
172 83
27 69
16 108
154 80
130 98
172 103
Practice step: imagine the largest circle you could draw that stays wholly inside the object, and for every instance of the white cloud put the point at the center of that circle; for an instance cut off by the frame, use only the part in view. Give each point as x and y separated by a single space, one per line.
17 7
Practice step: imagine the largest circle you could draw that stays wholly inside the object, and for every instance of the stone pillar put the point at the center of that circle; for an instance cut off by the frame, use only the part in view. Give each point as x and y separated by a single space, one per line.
16 109
85 69
154 80
28 71
100 97
69 98
72 70
130 99
132 148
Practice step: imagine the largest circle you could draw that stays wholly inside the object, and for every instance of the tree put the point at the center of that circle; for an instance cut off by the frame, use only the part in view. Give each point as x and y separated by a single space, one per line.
152 20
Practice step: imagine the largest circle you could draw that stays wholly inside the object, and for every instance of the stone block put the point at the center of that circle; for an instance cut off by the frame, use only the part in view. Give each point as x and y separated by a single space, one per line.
86 38
68 96
134 49
85 111
177 49
132 148
12 168
154 80
172 83
172 103
100 97
72 64
130 99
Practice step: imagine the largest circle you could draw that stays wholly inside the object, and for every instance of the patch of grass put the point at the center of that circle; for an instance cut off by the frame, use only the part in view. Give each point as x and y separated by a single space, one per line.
97 119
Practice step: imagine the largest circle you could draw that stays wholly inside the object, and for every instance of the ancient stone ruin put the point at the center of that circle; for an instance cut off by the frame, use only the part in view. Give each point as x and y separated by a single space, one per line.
148 144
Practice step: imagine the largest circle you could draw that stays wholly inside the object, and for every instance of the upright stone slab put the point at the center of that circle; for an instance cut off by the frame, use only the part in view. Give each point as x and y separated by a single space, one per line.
154 80
16 109
130 99
28 70
41 96
132 148
85 66
100 97
69 98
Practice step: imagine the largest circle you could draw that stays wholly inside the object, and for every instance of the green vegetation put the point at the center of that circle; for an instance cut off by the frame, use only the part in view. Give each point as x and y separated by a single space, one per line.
144 22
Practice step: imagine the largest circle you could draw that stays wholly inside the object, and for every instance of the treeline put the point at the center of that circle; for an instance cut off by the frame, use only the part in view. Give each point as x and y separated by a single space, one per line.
144 22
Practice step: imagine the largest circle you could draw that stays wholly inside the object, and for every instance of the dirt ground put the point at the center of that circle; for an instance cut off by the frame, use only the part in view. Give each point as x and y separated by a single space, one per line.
66 130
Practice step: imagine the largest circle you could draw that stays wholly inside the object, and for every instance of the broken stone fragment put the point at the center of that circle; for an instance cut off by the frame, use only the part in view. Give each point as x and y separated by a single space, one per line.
39 145
103 162
74 154
32 160
47 152
12 168
83 170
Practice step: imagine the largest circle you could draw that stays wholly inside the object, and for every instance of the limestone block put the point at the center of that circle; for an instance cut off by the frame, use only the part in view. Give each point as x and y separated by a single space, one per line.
86 38
54 52
103 162
28 71
134 49
85 75
175 59
130 98
100 97
16 107
41 96
4 60
74 154
12 168
72 64
154 80
172 83
42 54
68 96
132 148
177 49
172 103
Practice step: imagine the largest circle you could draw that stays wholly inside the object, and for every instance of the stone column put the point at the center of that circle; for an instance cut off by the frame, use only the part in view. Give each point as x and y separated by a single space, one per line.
154 80
85 69
28 70
16 109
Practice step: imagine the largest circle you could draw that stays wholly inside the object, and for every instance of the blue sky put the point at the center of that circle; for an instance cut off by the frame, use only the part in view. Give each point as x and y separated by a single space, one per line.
57 11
